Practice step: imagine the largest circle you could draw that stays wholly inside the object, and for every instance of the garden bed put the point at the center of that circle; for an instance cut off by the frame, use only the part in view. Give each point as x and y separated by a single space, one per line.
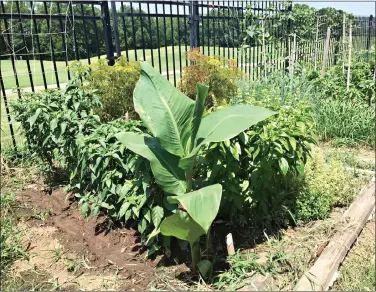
71 252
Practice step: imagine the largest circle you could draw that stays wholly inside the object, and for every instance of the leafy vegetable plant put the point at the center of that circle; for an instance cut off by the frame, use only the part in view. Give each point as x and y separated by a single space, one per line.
179 132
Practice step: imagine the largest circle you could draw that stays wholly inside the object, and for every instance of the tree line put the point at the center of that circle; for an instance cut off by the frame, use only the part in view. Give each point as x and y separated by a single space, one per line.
85 38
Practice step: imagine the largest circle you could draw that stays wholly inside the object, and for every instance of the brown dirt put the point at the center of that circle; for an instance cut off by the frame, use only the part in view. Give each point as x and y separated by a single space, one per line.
109 258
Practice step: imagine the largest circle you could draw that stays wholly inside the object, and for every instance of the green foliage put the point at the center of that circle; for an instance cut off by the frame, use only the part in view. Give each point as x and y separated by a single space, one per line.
179 133
312 205
114 84
362 85
52 119
238 275
257 167
10 236
346 122
63 130
326 184
209 70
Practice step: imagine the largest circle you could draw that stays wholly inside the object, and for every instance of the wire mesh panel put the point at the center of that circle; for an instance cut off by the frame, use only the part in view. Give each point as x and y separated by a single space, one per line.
38 39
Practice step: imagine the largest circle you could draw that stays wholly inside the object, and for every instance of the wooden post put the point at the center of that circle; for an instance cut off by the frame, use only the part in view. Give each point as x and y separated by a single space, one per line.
316 41
326 52
230 244
293 55
349 59
343 42
263 46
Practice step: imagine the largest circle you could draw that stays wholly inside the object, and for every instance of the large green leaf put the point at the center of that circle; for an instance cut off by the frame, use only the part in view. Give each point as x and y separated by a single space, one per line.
163 108
202 205
229 122
202 92
223 125
163 164
182 226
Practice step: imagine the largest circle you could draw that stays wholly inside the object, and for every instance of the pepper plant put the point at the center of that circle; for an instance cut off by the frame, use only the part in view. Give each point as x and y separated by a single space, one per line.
179 132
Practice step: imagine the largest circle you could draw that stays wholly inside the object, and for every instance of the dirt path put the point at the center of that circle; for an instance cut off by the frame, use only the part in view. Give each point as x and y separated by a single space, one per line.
75 253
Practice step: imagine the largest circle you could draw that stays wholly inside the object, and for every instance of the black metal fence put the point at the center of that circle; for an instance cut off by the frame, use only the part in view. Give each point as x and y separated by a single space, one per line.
40 38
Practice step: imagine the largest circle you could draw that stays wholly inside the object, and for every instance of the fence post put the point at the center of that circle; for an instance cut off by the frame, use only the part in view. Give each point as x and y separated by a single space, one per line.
349 64
343 42
326 52
116 28
288 32
337 42
370 23
105 15
194 23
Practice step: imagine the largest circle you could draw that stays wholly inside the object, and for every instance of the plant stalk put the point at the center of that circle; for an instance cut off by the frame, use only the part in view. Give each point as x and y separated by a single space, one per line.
195 255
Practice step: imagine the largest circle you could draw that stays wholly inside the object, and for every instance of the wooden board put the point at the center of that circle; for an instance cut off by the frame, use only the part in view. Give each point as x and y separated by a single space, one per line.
322 274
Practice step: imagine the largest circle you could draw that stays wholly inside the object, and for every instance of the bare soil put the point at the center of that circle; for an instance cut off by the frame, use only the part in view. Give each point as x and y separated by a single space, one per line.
61 240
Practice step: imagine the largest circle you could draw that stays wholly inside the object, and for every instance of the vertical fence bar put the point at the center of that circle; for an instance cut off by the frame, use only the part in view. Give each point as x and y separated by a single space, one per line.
75 47
133 32
107 32
142 31
289 29
85 33
51 45
194 25
125 30
179 40
165 39
151 36
25 49
208 30
8 112
233 33
96 32
35 27
158 42
12 56
116 28
185 34
202 28
63 39
370 22
173 44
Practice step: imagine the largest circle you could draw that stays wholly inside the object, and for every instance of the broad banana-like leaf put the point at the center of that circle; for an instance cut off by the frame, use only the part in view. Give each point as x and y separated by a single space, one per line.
182 226
202 205
164 165
163 109
223 125
202 92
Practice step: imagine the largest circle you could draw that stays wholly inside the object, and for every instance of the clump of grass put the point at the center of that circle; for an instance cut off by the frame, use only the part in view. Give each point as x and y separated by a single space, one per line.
357 272
350 158
345 122
11 248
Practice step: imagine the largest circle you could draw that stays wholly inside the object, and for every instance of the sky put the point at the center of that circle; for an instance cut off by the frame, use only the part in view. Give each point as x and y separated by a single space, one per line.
362 8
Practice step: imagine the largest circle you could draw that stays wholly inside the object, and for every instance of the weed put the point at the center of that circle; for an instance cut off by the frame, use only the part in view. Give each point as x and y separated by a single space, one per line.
348 123
58 253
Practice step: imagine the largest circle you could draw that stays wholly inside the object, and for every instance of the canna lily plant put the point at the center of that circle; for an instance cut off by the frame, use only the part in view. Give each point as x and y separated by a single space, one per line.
179 131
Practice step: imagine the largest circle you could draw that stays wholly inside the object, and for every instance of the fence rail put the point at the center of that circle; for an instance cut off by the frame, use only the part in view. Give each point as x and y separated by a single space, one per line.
40 38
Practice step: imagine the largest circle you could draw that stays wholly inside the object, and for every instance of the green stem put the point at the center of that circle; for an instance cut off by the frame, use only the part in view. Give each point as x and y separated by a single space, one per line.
195 255
208 242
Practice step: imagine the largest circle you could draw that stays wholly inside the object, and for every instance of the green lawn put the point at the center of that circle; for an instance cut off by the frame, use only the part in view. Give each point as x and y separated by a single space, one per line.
166 62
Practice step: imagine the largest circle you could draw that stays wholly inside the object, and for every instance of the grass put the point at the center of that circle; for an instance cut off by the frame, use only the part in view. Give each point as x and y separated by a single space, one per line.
166 54
357 272
345 122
